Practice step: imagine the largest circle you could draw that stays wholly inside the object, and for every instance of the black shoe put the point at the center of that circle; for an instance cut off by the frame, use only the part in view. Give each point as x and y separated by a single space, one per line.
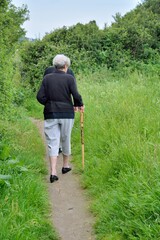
60 150
66 169
53 178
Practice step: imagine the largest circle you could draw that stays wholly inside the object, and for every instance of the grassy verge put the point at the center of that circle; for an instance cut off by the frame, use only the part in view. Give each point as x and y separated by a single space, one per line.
34 109
122 152
25 212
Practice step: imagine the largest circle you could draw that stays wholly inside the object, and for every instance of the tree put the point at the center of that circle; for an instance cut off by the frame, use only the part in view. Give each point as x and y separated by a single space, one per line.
11 19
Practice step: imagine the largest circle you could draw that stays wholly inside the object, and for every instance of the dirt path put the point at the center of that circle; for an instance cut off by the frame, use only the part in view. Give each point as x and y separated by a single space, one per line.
70 214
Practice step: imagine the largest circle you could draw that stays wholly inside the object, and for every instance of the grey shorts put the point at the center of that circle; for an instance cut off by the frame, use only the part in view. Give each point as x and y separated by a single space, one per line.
56 130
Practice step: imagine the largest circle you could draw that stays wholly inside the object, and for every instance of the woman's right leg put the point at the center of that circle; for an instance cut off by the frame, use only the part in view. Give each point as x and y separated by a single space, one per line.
66 129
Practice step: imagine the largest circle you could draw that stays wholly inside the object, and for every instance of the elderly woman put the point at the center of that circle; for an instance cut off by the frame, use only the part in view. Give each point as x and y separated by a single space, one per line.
56 93
52 69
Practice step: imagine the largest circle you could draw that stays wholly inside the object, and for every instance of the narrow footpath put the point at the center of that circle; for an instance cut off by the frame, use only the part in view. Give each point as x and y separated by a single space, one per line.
70 214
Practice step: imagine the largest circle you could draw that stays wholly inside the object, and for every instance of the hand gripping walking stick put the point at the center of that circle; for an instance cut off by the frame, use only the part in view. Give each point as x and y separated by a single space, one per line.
82 136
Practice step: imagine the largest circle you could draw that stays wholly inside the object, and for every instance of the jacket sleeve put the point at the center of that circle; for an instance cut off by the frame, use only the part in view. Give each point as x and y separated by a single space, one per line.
41 96
78 102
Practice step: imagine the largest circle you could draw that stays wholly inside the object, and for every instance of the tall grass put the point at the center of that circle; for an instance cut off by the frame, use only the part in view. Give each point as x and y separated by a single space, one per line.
122 152
24 203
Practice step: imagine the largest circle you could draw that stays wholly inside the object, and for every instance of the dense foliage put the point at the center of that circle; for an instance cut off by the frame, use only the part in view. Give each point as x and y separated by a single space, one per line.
129 41
11 19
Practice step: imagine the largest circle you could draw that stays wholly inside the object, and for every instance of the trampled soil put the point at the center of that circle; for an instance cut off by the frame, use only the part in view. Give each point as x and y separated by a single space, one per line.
70 214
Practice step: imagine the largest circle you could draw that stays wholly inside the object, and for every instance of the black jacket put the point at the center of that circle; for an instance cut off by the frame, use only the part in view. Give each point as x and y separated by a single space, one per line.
52 69
58 93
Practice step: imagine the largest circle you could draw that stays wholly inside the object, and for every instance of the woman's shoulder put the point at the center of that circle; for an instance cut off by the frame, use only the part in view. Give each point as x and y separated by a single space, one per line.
49 70
69 71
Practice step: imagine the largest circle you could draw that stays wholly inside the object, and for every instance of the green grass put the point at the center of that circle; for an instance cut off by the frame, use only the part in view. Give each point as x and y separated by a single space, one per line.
122 168
122 152
24 203
32 107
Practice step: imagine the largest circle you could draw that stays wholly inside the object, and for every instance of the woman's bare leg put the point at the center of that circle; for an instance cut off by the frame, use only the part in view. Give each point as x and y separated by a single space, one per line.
53 164
65 161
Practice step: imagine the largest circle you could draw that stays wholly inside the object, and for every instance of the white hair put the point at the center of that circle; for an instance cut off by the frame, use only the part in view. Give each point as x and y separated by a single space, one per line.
60 60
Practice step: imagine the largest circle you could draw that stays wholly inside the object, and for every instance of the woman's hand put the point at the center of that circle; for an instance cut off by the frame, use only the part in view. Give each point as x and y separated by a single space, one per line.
79 109
76 109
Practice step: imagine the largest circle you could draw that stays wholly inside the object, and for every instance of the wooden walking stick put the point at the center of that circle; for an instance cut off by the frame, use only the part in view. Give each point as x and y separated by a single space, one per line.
82 136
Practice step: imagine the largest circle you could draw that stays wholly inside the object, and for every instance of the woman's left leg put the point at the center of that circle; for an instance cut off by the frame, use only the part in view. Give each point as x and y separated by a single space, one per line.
66 130
52 133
